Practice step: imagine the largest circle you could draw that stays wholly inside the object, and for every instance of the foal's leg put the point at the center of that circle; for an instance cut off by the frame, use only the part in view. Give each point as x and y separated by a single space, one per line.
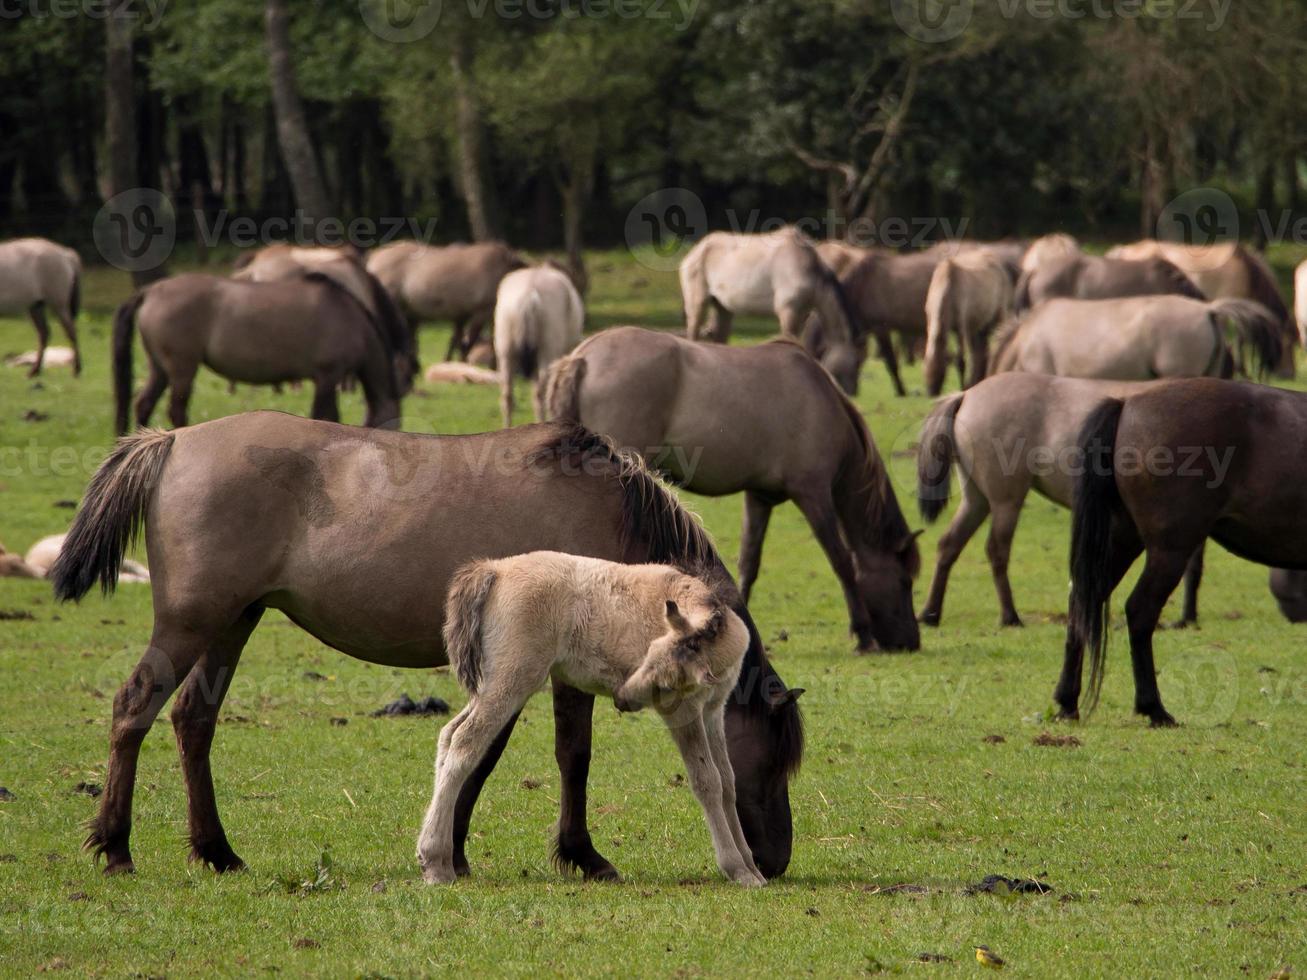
714 718
573 731
819 509
194 717
757 514
1162 573
692 739
172 652
37 312
971 514
467 799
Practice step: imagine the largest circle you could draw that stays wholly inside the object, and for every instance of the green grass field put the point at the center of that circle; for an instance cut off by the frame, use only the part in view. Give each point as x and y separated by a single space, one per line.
1172 853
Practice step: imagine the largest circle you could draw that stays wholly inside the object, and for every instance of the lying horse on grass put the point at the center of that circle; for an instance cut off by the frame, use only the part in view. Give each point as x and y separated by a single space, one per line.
645 635
355 535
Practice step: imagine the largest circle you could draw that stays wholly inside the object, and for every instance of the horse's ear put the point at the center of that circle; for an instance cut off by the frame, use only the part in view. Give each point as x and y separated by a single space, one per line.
789 696
674 618
909 540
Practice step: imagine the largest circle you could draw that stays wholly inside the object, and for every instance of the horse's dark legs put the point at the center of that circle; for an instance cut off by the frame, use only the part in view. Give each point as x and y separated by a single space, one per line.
979 344
467 797
456 348
966 522
1002 528
194 718
1162 573
155 384
1124 550
1193 578
166 662
326 406
37 312
472 329
819 509
573 718
885 348
757 514
720 320
180 396
70 328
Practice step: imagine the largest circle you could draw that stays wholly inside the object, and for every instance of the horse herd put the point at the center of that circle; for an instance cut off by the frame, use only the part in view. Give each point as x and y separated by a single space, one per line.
1103 383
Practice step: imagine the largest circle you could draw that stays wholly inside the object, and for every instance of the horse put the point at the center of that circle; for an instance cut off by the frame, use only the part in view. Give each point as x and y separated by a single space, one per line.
445 282
539 317
1049 248
1300 301
1081 276
1009 435
1010 253
1138 338
15 566
840 256
1165 470
969 295
645 635
355 535
768 421
253 332
1290 590
1226 270
36 273
344 266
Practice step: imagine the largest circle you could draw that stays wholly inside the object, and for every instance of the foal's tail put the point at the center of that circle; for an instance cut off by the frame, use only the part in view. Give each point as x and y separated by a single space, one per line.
1097 501
935 451
113 511
563 388
464 610
124 328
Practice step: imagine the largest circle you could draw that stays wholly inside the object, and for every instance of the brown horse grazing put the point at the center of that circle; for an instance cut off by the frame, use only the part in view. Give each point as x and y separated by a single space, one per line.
768 421
344 266
1081 276
1166 469
258 333
355 535
36 274
445 282
1009 435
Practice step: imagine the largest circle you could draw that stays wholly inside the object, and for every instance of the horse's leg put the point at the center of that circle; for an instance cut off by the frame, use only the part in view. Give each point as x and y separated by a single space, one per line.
181 383
1002 528
719 323
456 339
1193 578
472 330
155 384
70 328
538 399
819 509
194 717
714 719
467 799
706 782
791 318
506 391
978 342
573 729
966 522
473 731
1162 573
757 514
37 312
1124 550
885 348
165 664
326 404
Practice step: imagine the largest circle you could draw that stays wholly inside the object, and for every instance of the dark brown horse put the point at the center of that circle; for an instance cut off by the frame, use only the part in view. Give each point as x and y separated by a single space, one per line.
355 534
259 333
768 421
1186 460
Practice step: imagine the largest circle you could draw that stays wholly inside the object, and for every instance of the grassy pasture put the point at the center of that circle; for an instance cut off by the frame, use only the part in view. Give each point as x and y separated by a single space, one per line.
1172 853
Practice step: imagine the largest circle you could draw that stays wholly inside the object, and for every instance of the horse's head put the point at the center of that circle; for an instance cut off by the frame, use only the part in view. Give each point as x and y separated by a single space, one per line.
885 576
844 362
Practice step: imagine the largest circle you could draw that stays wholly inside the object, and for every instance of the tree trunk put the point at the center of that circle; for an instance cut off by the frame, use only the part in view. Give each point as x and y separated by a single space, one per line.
292 125
1152 198
471 142
1265 199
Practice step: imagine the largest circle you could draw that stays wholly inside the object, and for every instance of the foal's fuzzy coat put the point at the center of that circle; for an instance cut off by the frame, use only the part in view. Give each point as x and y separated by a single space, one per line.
648 635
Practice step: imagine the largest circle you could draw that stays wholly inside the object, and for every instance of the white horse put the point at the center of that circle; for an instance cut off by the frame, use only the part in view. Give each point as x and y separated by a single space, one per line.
539 317
646 635
1300 301
779 272
42 556
34 274
1137 338
970 294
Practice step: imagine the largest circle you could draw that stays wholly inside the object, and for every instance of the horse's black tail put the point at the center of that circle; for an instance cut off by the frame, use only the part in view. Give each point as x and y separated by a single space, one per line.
1256 329
115 507
1097 503
124 328
396 327
935 451
468 592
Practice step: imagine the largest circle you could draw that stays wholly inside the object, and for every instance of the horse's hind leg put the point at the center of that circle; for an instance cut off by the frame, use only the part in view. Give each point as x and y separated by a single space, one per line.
719 323
155 384
757 514
456 339
1193 578
194 717
37 312
181 382
573 731
966 522
885 348
166 663
326 405
1002 528
1162 573
467 799
70 328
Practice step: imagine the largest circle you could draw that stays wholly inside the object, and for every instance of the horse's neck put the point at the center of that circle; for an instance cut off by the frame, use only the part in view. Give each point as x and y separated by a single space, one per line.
868 510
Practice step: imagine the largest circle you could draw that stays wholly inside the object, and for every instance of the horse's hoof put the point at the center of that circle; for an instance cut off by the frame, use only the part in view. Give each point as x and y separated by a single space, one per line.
439 876
219 856
606 873
929 619
1162 719
125 867
1014 621
1067 714
461 868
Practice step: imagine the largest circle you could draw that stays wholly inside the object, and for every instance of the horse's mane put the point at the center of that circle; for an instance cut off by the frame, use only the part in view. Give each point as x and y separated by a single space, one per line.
1180 283
388 342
